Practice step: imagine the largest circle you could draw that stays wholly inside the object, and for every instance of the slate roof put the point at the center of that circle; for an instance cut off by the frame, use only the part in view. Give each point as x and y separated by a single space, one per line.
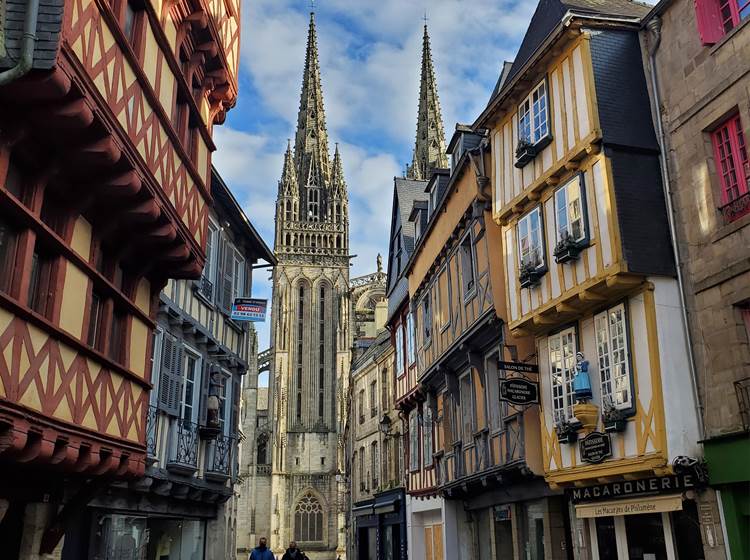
407 191
49 24
549 13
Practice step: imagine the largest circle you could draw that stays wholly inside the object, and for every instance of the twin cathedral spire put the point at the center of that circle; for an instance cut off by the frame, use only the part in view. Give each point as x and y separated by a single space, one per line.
312 205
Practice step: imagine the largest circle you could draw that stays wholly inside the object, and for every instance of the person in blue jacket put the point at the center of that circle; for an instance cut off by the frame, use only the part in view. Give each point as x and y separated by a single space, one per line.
261 552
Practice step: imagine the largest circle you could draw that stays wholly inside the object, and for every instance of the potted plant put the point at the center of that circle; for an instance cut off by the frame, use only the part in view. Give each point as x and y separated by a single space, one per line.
567 249
567 432
525 152
529 274
614 419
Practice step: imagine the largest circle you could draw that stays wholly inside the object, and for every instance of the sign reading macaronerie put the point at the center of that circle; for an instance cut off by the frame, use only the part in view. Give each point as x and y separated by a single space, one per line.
630 488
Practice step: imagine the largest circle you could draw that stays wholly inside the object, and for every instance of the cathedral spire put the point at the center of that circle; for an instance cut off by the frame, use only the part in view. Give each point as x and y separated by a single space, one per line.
288 182
429 149
311 141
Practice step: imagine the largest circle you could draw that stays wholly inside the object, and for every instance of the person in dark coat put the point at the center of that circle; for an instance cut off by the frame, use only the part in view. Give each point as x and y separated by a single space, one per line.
293 553
261 552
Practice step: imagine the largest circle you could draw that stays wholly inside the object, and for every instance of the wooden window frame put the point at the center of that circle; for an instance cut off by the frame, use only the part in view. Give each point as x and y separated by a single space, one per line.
10 237
628 405
566 412
730 152
542 264
578 182
414 451
411 342
466 250
428 445
399 355
535 136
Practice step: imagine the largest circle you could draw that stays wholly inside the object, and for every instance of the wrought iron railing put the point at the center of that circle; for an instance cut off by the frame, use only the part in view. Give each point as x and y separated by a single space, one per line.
183 446
742 388
263 469
152 433
206 288
219 458
737 208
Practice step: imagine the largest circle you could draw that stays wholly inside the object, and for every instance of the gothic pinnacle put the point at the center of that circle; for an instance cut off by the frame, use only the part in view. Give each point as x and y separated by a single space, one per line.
338 183
288 182
429 149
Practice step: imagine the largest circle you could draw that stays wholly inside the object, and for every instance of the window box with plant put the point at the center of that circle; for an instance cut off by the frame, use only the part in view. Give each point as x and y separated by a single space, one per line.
533 125
567 249
614 419
570 219
567 430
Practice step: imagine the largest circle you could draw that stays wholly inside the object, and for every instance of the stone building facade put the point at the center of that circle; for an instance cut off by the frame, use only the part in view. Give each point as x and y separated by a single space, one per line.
697 54
311 334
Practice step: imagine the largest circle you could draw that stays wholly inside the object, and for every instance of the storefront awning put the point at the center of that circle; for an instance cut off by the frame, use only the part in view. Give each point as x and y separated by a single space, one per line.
635 506
386 504
358 511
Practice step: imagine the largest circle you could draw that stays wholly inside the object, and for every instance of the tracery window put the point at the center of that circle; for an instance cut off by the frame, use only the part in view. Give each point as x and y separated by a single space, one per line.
308 519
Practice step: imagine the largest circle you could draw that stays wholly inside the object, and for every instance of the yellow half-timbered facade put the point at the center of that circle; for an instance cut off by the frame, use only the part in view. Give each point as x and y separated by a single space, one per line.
589 273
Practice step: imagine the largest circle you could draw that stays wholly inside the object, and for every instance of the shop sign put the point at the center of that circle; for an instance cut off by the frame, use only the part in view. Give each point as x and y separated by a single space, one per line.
519 367
632 488
249 309
653 504
520 391
502 513
595 447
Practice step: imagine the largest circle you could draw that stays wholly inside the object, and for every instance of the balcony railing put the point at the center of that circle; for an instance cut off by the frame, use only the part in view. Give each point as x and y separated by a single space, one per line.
183 447
263 469
737 208
205 287
219 458
742 388
152 433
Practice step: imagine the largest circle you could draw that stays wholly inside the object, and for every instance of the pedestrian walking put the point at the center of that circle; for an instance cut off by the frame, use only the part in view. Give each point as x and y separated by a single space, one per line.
293 553
261 552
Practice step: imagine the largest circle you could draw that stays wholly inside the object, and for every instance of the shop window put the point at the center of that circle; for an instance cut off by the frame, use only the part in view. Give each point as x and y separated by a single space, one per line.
733 168
400 350
308 519
8 245
468 272
645 536
613 355
530 241
606 538
40 294
413 441
716 18
562 362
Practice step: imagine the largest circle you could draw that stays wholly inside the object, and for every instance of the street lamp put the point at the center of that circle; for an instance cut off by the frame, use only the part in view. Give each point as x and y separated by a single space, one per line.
385 425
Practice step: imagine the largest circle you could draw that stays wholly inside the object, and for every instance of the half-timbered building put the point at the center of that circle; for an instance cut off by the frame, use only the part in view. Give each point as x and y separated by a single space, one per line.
184 504
481 455
589 272
105 143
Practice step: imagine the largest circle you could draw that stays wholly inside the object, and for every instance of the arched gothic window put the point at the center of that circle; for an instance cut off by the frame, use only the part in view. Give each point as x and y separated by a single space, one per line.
262 456
288 216
308 519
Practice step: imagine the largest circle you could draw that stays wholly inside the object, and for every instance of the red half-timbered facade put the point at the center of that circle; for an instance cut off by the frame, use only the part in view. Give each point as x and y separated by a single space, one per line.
105 167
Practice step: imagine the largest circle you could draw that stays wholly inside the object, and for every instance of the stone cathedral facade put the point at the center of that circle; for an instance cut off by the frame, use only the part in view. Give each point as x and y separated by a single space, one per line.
311 334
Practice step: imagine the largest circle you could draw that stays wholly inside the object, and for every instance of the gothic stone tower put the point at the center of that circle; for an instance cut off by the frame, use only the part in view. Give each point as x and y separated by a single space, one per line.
311 336
429 148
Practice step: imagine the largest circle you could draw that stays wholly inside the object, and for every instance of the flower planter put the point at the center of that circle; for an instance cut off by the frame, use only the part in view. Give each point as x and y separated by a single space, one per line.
524 154
529 279
567 252
567 436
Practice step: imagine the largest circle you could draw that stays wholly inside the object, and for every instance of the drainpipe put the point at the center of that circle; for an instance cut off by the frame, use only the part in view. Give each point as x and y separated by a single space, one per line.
654 29
28 42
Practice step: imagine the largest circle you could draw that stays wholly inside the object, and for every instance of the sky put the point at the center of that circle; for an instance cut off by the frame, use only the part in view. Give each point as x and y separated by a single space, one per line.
370 58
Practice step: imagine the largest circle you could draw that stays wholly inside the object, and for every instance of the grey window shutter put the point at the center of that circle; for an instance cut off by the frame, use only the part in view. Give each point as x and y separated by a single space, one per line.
167 378
176 395
248 290
226 280
205 378
235 417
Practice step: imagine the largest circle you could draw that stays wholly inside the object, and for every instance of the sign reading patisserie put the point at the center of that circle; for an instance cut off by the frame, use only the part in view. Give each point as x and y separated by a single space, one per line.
595 447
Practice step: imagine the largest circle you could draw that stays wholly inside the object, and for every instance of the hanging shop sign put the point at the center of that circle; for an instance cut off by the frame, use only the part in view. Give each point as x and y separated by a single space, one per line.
520 367
595 447
671 484
519 391
249 309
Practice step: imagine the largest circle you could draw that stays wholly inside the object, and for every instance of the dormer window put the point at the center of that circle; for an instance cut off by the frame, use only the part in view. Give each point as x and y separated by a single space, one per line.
533 125
433 197
418 226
